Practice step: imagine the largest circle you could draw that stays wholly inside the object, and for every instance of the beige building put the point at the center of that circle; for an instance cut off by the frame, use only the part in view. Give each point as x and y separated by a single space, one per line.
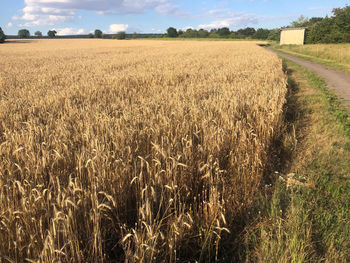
292 36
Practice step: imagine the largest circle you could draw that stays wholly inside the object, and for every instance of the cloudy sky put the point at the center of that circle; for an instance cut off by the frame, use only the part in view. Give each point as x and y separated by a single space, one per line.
84 16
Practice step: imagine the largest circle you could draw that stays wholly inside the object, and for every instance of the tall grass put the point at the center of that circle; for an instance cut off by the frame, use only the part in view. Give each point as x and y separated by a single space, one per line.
337 53
138 150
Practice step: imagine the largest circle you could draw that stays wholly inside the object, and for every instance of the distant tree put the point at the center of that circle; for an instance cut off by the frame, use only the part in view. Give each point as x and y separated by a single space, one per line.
334 29
246 32
180 33
341 20
190 33
322 32
91 35
213 34
224 32
98 33
261 34
203 33
134 35
301 22
51 33
172 32
121 35
314 20
23 33
2 36
233 35
274 34
38 34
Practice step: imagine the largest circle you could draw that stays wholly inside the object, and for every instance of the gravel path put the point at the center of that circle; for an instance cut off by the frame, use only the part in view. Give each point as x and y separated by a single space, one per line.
336 80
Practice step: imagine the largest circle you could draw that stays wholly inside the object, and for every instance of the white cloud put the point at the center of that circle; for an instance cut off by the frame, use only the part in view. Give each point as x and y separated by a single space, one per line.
228 18
9 25
167 9
80 31
187 27
50 20
69 31
115 28
52 12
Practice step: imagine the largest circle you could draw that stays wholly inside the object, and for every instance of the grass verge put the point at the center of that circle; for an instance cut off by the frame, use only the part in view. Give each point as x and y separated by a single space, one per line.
305 216
326 62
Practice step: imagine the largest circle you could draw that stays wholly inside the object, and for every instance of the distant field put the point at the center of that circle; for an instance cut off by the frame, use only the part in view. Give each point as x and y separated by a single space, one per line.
336 53
138 150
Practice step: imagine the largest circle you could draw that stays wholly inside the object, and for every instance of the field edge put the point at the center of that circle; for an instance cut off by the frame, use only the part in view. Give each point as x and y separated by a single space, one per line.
305 216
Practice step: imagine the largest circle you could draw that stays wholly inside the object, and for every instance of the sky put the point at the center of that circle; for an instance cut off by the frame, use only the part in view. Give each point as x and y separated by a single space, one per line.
155 16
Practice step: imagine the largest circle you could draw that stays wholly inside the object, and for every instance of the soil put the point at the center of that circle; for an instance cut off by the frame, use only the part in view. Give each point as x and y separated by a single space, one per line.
336 80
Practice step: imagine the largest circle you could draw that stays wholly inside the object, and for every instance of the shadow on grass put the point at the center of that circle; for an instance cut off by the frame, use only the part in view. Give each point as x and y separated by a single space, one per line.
264 45
25 41
281 152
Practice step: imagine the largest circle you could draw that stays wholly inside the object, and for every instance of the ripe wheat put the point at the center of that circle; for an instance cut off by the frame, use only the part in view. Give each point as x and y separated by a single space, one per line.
132 150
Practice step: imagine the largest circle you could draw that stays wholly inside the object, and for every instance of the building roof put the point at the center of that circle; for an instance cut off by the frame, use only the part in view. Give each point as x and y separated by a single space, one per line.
293 28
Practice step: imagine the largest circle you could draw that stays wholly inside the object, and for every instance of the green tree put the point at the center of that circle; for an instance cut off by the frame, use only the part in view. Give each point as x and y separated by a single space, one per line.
38 34
23 33
121 35
134 35
213 34
203 33
224 32
301 22
233 35
190 33
91 35
334 29
51 33
98 33
172 32
246 32
2 36
322 32
314 20
342 22
261 34
274 34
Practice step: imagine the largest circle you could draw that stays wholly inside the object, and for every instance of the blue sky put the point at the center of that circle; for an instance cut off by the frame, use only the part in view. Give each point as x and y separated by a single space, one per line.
84 16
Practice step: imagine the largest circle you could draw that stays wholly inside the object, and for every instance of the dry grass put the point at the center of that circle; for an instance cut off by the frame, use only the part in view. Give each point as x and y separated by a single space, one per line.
131 150
307 217
337 53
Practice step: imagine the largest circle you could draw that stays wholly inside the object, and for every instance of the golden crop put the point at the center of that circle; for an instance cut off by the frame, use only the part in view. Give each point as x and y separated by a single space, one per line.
137 150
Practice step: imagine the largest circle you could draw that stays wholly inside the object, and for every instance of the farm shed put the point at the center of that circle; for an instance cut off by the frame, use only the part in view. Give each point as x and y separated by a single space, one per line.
293 36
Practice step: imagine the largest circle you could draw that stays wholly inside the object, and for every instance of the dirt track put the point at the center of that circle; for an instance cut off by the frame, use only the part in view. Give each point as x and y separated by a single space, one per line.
336 80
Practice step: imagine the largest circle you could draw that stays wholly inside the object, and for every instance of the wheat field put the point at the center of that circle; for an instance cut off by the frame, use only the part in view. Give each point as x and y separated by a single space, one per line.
135 151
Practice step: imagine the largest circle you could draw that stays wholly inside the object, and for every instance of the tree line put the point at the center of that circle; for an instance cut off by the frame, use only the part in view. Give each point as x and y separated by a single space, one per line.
2 36
25 33
333 29
99 34
225 32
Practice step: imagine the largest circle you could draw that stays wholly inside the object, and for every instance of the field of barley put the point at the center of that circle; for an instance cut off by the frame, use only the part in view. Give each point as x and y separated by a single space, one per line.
137 151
